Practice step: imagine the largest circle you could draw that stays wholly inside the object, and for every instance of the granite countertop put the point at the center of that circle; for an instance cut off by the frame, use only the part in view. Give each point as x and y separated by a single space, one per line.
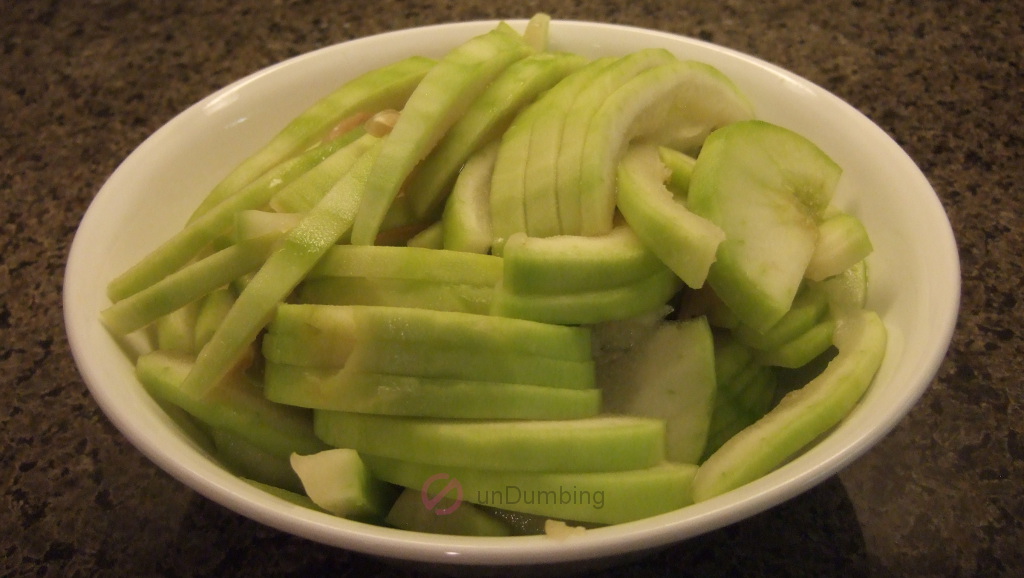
83 83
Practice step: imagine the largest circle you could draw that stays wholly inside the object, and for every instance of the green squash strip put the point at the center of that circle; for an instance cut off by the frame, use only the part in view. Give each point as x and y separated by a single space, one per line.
544 215
299 252
443 96
185 245
238 406
187 285
387 394
579 115
802 415
485 120
305 192
385 88
594 497
603 443
327 327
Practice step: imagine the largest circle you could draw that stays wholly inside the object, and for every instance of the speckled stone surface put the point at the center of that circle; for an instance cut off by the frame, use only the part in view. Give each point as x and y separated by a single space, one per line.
83 83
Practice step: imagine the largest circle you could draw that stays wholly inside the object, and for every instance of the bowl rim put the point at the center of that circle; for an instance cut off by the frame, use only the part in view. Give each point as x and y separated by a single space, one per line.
200 474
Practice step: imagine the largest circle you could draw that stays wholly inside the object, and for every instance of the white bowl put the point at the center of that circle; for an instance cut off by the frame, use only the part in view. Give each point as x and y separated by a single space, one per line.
915 279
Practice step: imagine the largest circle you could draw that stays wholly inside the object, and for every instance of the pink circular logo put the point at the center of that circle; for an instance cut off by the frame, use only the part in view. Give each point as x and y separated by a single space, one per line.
431 502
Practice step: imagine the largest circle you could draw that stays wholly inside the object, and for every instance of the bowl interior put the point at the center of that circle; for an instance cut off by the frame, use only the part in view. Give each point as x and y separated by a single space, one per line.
914 275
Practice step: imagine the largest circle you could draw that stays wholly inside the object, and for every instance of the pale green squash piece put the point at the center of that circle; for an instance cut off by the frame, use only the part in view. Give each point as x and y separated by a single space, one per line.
544 215
684 241
388 394
391 292
520 171
424 359
198 234
572 263
237 406
432 237
485 121
591 497
765 186
443 96
414 263
466 220
669 375
843 242
252 223
339 482
176 331
680 166
846 291
284 269
187 285
809 307
305 192
538 31
388 87
576 125
321 329
428 360
597 444
665 105
803 348
802 415
740 400
589 307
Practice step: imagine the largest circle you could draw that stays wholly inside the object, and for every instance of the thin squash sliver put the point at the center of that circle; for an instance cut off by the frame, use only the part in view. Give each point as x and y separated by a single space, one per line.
443 95
379 89
299 251
186 244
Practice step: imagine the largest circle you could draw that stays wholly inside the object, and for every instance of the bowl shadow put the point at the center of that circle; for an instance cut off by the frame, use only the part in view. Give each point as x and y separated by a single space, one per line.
814 534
